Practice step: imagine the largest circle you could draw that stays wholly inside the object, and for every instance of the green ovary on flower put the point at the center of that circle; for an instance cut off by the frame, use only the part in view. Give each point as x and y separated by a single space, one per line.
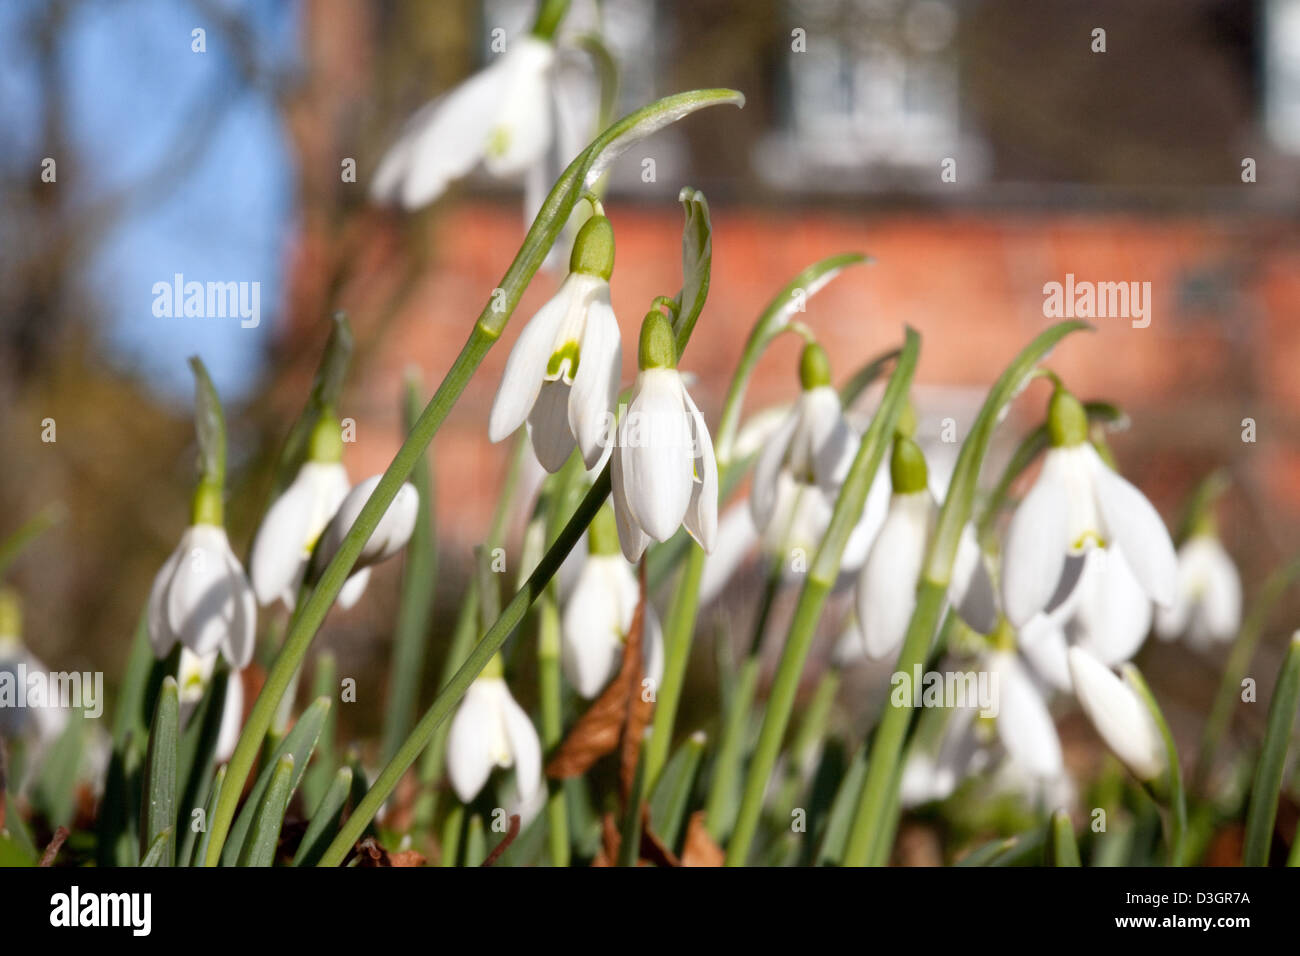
593 248
1067 422
907 468
657 348
326 444
564 362
814 367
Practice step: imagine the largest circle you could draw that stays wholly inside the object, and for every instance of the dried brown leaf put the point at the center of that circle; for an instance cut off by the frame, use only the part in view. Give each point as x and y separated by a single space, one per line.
56 844
504 845
699 848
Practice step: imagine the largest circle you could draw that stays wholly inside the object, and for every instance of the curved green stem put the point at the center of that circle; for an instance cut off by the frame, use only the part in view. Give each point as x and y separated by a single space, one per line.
812 597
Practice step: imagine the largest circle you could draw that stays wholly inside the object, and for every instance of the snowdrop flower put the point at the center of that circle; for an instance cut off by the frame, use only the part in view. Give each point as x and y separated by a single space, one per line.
201 598
1107 614
194 676
44 722
1120 716
562 375
1076 504
390 534
491 730
814 446
599 615
1207 598
294 522
663 469
500 116
886 591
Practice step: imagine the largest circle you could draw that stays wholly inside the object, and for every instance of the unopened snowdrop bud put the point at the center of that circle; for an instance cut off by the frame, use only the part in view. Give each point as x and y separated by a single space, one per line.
295 520
598 616
1207 600
201 598
663 470
500 116
389 537
1120 716
491 730
1079 503
563 373
814 445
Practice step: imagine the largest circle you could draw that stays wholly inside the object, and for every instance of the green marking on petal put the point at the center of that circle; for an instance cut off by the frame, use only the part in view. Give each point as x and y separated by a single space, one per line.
564 361
1082 541
498 141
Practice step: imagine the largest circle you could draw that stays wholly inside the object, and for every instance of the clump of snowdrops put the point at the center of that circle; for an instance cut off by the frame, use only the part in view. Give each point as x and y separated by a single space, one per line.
623 548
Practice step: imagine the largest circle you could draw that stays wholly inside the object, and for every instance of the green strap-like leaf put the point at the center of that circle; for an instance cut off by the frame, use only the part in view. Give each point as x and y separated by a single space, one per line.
1272 760
325 820
159 851
672 793
214 794
209 426
298 743
1063 850
264 833
158 811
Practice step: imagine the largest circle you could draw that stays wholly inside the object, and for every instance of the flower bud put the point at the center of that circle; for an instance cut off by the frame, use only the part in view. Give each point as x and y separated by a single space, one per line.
593 249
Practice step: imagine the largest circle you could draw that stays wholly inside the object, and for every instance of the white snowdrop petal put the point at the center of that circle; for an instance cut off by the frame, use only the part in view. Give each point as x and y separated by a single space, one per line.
353 588
886 594
1119 716
1221 599
161 636
277 557
1024 724
524 127
657 460
591 627
971 588
1034 551
526 367
242 632
701 519
631 538
1043 643
737 537
200 601
232 719
595 386
450 140
549 425
525 747
1137 530
470 740
1117 614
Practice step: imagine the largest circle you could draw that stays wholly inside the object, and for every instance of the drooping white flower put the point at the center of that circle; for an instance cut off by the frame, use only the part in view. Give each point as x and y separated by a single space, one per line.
663 470
1107 614
1207 598
886 591
1076 504
193 678
814 446
598 616
291 528
500 116
490 730
201 599
563 373
42 722
1119 715
389 537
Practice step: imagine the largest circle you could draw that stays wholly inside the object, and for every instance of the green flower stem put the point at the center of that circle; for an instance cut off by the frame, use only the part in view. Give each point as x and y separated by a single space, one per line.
549 16
1239 658
812 597
720 811
1062 848
1171 790
419 577
452 828
678 635
1268 772
487 329
807 742
629 847
870 820
552 723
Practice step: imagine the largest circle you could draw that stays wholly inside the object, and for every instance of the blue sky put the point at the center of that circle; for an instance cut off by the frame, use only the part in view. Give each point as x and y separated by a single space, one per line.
134 87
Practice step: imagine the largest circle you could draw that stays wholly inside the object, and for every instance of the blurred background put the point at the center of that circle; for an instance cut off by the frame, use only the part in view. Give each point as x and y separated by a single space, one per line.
1173 157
